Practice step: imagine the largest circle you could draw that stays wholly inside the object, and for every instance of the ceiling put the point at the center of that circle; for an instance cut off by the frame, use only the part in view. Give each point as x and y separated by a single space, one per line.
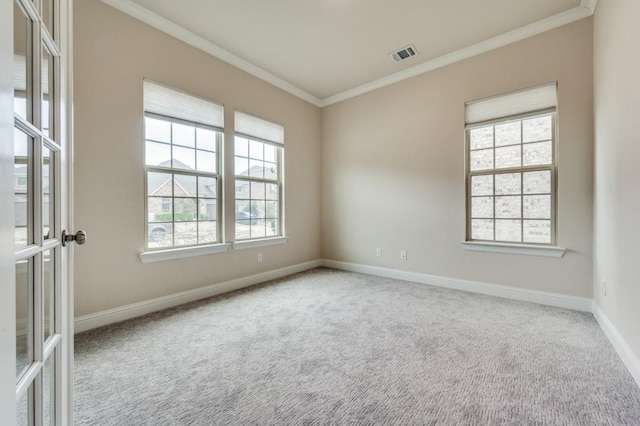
325 51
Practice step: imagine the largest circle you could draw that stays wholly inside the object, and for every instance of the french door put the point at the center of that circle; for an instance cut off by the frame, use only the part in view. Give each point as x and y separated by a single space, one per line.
34 191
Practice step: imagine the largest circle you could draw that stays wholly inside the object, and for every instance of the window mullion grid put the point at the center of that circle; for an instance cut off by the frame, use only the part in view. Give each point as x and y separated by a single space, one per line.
495 223
521 182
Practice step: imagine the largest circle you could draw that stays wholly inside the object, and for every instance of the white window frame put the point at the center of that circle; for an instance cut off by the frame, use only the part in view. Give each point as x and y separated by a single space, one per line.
174 106
266 132
530 103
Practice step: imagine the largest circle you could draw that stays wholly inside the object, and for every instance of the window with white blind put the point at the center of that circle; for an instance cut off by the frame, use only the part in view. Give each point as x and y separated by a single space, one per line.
258 160
511 167
183 139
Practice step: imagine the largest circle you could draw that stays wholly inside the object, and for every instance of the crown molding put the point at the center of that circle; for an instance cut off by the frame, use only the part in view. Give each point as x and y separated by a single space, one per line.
590 5
564 18
156 21
584 10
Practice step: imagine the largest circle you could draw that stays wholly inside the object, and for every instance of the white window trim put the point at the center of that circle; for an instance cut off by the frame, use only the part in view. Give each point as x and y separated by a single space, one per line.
523 249
182 252
248 244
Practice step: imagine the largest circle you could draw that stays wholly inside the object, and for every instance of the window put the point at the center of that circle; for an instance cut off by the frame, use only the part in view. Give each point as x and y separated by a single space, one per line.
511 167
183 137
258 177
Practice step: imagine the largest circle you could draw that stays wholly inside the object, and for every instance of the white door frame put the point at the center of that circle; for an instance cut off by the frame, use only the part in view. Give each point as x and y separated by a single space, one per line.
64 385
7 264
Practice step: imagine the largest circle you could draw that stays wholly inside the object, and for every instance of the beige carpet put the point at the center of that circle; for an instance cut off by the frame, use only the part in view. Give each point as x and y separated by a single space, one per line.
335 348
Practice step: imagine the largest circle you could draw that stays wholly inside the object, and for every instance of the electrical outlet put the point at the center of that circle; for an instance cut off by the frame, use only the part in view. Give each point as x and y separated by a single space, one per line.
259 257
604 285
379 252
403 254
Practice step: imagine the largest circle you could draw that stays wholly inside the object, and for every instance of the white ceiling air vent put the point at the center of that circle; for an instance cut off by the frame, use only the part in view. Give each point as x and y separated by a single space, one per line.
404 53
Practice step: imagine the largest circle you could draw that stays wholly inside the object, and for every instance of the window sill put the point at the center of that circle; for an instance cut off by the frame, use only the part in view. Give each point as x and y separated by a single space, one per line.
247 244
530 250
181 253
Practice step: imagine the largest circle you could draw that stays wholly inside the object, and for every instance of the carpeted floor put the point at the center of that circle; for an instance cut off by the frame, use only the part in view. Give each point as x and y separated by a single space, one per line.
327 347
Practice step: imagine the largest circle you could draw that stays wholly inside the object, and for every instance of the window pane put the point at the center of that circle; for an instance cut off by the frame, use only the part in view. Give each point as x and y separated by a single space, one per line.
49 385
157 154
508 230
22 63
47 83
481 138
272 191
207 187
23 315
537 182
508 184
184 158
482 207
257 209
537 129
256 150
243 189
507 207
207 161
23 407
256 168
159 184
186 233
241 166
184 210
258 230
482 229
184 186
508 134
160 209
257 190
184 135
270 171
241 147
270 153
271 209
48 294
47 188
160 235
207 232
537 206
537 231
537 153
22 189
157 130
206 139
481 160
482 185
273 228
509 156
208 209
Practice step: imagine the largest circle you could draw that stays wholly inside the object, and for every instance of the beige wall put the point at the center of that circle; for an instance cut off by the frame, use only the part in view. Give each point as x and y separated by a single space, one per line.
617 153
113 53
393 167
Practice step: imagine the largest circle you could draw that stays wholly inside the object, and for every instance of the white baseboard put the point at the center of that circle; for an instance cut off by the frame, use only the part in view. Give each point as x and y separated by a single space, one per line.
544 298
631 360
110 316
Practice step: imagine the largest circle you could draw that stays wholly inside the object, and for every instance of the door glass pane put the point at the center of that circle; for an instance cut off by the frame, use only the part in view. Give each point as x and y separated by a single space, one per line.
47 15
48 293
23 408
23 315
22 189
22 62
47 192
49 389
48 86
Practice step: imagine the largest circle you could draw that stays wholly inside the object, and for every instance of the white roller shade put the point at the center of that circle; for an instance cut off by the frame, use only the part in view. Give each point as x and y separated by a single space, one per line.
169 102
537 98
253 126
